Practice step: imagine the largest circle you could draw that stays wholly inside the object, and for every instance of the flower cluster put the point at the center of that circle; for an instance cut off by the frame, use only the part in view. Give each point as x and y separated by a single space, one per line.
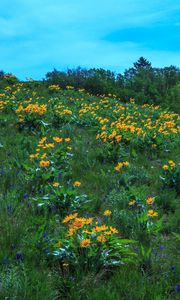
101 242
120 165
32 108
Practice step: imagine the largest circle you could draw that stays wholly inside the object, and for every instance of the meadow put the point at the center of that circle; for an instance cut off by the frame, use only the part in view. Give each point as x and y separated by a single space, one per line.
89 197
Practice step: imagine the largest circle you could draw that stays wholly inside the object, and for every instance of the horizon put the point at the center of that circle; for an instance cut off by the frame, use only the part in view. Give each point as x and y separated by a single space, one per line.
38 36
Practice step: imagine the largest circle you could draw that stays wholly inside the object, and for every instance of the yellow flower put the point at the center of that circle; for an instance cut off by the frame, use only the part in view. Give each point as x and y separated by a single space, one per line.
101 238
150 200
56 184
100 228
152 213
50 145
107 213
171 163
118 167
57 139
113 230
77 183
43 156
118 138
165 167
67 140
44 163
132 202
69 218
31 156
87 231
85 243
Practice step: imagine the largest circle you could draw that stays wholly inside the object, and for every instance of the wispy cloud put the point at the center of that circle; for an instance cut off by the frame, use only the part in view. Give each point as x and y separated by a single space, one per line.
37 35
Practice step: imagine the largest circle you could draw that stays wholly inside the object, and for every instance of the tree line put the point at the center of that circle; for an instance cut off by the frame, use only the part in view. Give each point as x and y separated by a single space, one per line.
142 81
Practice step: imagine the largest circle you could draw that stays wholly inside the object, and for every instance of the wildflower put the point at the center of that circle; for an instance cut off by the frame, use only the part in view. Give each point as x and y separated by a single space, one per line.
85 243
132 202
152 213
171 163
31 156
49 145
118 167
69 218
100 228
19 256
57 139
178 287
87 231
45 234
150 200
101 238
113 230
67 140
77 224
107 213
70 232
56 184
43 156
44 163
77 183
165 167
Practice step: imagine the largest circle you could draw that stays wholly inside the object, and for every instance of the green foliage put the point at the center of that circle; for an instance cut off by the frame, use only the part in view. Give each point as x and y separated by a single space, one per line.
142 82
65 154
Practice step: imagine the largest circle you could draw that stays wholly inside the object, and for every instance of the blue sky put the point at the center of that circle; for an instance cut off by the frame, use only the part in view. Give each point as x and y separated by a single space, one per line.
38 35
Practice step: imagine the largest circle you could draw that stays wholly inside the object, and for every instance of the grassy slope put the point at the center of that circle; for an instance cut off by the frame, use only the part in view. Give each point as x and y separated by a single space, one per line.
33 278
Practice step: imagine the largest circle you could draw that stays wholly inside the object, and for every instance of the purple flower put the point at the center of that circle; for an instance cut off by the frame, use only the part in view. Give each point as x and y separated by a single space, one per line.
178 287
19 256
45 234
25 196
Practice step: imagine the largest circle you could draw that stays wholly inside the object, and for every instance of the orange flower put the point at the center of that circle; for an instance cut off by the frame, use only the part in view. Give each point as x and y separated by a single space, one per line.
150 200
44 163
101 238
69 218
85 243
57 139
77 183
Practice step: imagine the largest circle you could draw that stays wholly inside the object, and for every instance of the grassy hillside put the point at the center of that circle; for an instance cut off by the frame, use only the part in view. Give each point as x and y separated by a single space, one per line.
89 198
